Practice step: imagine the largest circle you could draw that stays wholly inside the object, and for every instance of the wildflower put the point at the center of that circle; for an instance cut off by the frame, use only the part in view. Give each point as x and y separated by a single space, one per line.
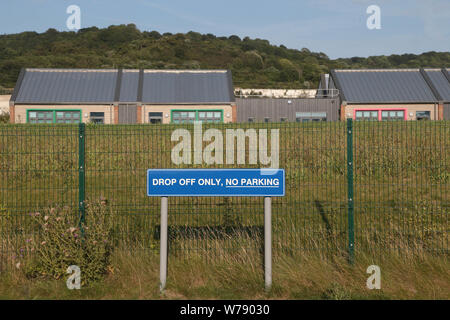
52 210
46 218
72 229
18 265
58 219
43 242
29 240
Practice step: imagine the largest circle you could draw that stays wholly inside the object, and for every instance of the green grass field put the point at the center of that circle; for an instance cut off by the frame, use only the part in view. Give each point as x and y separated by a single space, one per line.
402 205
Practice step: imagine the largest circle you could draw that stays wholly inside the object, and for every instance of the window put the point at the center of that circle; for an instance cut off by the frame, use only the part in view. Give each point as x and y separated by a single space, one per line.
210 116
155 117
54 116
379 114
310 116
266 119
366 115
189 116
251 119
97 117
283 119
183 116
40 116
392 115
423 115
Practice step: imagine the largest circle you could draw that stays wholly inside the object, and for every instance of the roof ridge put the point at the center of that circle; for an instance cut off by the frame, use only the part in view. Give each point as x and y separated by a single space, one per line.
379 70
126 70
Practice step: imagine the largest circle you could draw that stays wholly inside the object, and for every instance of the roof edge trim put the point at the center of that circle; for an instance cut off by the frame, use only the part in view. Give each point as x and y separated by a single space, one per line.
337 84
430 84
18 85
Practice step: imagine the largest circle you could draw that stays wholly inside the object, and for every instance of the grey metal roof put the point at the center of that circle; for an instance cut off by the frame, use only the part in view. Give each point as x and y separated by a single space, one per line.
440 82
129 86
187 87
383 86
90 86
67 86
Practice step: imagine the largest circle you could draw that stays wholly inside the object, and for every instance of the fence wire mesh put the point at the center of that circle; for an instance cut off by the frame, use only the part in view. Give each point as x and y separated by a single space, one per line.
401 177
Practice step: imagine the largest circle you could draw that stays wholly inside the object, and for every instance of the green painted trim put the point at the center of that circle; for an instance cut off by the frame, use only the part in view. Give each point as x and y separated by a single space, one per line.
196 113
54 113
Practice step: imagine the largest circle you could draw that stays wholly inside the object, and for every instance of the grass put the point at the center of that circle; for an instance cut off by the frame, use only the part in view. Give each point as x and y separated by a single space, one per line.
240 276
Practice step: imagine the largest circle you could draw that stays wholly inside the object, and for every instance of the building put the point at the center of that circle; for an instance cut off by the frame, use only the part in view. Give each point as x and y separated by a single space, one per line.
287 110
391 94
119 96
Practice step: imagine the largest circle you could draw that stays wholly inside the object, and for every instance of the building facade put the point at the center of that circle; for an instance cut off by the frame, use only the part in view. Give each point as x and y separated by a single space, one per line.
116 96
287 110
391 94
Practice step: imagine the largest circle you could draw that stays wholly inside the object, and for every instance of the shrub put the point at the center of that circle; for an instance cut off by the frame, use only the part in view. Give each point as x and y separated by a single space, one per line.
4 117
62 242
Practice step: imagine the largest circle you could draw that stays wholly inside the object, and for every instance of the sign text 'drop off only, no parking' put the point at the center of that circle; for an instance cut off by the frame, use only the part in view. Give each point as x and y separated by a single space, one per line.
216 182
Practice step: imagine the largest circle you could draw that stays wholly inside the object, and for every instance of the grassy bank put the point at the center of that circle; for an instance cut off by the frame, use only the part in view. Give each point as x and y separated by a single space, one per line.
240 276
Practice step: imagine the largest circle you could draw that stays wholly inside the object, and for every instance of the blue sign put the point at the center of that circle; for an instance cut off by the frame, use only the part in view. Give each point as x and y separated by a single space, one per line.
215 182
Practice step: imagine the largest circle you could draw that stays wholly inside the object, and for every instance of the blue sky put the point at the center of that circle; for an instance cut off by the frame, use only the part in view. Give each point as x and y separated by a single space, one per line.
335 27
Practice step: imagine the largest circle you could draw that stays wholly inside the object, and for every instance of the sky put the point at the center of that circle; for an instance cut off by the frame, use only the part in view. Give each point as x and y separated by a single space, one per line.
335 27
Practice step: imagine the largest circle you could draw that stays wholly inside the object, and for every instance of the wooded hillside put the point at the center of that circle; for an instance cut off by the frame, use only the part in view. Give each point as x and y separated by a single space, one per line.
254 62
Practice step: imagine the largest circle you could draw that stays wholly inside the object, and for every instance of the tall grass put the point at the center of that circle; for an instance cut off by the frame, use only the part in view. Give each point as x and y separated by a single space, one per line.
239 275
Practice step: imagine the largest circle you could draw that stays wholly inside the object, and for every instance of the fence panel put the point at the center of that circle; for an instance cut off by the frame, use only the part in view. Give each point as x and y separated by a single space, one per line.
38 169
401 187
402 178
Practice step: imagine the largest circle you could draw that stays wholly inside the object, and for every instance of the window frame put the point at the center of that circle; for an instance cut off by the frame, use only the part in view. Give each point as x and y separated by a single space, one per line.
160 117
97 117
423 118
310 116
380 110
54 111
196 114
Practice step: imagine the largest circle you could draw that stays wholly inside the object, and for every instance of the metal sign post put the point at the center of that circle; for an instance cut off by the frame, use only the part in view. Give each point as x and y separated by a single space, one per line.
265 183
163 244
268 242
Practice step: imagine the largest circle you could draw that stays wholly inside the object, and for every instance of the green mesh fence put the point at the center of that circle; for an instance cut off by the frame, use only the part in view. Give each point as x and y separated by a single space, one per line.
397 172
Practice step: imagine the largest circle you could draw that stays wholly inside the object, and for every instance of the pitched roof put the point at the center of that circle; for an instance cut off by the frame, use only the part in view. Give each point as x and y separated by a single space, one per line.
66 86
386 86
94 86
440 81
186 87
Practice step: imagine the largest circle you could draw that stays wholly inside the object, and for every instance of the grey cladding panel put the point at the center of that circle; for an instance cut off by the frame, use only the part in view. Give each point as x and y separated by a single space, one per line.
275 109
127 114
447 111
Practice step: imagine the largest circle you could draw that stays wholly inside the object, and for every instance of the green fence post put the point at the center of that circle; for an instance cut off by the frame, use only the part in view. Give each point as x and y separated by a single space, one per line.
351 222
81 175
